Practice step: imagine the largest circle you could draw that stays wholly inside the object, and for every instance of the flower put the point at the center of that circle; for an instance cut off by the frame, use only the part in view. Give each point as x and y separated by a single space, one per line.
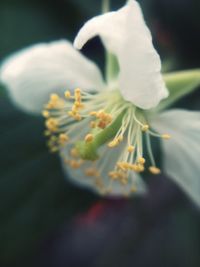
104 130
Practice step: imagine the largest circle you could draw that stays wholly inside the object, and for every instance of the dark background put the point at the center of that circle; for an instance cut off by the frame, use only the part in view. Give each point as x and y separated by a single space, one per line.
44 220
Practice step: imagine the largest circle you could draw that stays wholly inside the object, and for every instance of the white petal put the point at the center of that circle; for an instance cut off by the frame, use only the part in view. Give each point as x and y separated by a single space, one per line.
126 35
105 164
182 151
32 74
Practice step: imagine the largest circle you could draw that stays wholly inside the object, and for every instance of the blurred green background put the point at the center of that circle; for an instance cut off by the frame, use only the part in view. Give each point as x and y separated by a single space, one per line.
46 221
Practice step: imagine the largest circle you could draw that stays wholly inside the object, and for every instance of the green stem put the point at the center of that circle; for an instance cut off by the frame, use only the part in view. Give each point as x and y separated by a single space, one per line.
88 151
105 6
111 65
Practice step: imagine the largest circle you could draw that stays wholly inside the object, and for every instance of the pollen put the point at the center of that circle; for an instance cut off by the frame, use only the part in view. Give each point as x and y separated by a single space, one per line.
120 138
74 164
67 94
133 189
131 149
93 124
45 114
154 170
145 128
166 136
77 92
141 160
63 139
93 113
74 153
113 143
89 138
52 124
92 172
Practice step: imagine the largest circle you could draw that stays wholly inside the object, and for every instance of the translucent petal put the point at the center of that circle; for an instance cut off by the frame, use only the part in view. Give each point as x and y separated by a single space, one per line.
182 151
104 165
32 74
125 34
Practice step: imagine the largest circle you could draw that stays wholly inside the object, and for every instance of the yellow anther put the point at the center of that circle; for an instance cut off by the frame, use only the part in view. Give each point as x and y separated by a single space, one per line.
166 136
154 170
145 127
45 113
133 189
52 124
120 138
67 94
131 149
113 175
77 104
77 91
113 143
93 113
80 105
75 164
92 172
63 138
123 165
101 114
70 113
74 153
89 138
78 117
74 109
141 160
93 124
50 105
54 97
102 124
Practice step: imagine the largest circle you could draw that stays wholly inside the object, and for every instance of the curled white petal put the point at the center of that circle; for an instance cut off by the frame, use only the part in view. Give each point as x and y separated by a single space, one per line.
125 34
32 74
182 151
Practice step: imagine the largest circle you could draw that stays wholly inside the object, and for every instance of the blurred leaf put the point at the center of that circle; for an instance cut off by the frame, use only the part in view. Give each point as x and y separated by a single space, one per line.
34 194
180 84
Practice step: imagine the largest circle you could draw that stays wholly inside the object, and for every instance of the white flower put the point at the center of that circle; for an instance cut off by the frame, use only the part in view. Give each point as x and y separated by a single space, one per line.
103 129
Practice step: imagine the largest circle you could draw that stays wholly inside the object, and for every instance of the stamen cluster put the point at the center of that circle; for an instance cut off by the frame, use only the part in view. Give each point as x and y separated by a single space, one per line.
79 125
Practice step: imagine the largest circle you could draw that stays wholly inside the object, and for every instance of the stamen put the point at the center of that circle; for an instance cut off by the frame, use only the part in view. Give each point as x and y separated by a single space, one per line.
74 153
84 122
131 149
154 170
63 139
145 128
52 125
166 136
141 160
92 172
89 138
67 94
45 114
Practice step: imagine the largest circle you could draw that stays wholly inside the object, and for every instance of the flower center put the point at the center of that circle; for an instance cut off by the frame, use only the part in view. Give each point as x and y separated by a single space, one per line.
102 134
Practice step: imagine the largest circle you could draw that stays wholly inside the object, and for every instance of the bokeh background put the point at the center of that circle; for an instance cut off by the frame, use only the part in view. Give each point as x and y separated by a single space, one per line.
45 220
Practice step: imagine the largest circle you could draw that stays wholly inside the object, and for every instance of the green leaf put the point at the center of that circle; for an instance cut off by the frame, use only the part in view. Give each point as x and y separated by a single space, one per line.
179 85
